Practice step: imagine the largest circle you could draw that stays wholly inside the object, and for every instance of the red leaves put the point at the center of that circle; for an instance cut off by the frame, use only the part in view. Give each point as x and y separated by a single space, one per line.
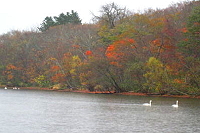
76 46
110 52
111 48
125 41
131 40
11 67
184 30
55 68
59 77
119 50
10 71
88 52
156 42
179 81
161 44
114 55
114 63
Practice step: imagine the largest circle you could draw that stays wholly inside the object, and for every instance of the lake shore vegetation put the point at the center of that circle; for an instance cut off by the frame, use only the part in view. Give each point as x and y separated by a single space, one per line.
152 52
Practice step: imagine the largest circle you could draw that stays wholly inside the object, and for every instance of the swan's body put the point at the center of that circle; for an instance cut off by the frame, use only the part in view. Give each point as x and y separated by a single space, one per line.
5 88
148 104
175 105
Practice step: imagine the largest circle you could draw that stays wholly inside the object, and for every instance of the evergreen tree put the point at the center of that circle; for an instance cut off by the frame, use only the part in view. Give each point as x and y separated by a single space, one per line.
47 23
69 18
74 18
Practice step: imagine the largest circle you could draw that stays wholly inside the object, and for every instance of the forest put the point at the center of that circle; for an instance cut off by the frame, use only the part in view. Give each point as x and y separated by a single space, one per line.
155 51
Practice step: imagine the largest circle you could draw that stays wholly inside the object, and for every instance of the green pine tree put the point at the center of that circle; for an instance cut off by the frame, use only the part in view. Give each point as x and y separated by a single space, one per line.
62 19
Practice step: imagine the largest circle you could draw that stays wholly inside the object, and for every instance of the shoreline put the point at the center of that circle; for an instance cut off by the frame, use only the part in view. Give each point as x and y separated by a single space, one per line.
106 92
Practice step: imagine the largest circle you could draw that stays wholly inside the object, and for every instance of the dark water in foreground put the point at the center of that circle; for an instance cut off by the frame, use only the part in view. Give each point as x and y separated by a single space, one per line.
31 111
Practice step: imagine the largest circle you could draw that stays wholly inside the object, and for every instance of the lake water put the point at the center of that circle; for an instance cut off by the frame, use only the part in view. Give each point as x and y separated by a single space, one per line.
34 111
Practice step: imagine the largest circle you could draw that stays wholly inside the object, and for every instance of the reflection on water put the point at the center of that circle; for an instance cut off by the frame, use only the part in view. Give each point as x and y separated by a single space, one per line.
30 111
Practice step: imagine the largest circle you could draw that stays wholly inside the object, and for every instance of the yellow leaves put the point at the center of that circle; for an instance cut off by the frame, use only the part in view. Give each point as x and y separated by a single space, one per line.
75 61
52 59
157 23
40 78
154 63
157 75
73 71
168 68
84 83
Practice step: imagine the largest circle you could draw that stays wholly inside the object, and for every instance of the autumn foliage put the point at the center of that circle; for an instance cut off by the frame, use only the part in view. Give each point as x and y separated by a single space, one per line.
156 51
88 52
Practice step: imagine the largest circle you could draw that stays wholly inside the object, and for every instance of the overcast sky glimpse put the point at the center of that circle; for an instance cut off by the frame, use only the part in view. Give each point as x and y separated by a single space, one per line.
29 14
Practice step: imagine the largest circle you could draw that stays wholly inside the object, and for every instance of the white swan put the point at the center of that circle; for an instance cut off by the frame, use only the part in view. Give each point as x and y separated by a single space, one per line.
175 105
5 88
148 104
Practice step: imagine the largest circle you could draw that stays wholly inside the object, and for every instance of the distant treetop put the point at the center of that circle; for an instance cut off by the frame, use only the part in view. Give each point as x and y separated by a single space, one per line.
62 19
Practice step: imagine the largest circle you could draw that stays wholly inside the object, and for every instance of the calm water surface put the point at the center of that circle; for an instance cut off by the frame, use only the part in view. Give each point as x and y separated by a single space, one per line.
33 111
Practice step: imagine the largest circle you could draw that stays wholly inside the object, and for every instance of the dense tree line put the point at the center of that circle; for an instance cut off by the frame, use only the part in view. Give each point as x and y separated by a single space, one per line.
157 51
62 19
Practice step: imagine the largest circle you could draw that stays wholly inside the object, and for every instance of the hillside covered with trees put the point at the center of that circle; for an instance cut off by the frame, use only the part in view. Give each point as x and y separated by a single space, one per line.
156 51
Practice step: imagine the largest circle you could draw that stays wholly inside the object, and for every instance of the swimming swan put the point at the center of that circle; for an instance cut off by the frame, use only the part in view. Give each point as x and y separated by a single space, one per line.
5 88
175 105
148 104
